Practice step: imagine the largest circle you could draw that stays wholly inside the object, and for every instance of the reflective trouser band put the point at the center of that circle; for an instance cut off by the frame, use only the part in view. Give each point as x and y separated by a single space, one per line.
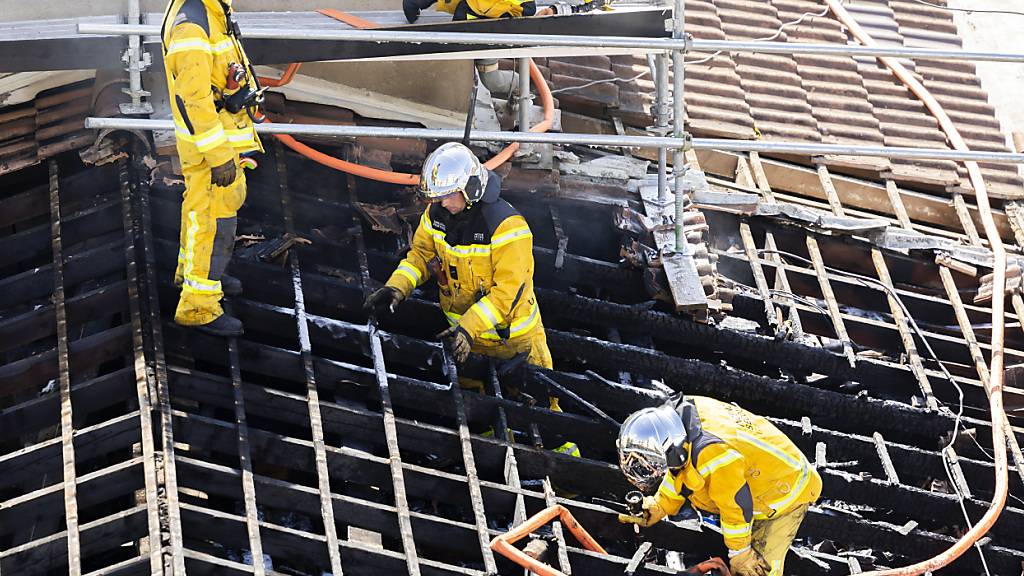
196 285
192 283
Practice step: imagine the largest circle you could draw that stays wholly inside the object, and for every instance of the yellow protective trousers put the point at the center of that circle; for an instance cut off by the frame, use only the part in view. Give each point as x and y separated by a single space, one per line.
208 222
772 538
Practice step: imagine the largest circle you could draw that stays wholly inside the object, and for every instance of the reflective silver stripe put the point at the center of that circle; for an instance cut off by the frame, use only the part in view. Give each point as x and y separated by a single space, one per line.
717 462
521 232
189 44
518 328
746 436
452 317
222 46
736 530
193 284
412 271
784 502
487 312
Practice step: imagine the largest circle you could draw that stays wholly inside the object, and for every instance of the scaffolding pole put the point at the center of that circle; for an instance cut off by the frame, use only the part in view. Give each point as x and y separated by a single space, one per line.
602 140
684 43
678 162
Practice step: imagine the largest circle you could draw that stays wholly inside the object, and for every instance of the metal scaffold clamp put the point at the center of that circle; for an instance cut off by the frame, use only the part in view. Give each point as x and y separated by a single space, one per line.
136 61
687 139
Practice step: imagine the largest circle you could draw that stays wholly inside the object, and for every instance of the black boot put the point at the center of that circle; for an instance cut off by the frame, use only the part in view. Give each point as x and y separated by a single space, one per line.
224 325
230 285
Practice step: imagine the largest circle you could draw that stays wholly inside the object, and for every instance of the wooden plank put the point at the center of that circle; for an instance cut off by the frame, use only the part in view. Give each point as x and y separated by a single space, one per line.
830 298
830 190
883 455
469 464
896 201
772 314
143 383
979 359
173 558
312 394
966 223
903 325
245 459
781 280
67 425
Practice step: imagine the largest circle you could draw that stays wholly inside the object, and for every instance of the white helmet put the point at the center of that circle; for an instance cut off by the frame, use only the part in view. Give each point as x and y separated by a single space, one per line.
652 440
453 168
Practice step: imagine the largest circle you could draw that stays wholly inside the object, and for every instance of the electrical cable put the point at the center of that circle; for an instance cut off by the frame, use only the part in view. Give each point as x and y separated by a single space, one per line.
1001 431
969 10
603 81
766 38
868 281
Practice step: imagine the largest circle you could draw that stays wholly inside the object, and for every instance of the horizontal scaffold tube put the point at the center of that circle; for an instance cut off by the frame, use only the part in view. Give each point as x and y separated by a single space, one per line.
610 140
545 40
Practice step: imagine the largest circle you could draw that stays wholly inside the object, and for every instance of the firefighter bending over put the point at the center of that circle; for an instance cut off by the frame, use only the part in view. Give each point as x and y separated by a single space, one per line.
214 99
727 461
480 250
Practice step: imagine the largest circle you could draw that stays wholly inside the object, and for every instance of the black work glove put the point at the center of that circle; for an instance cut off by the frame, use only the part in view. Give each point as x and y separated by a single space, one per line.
459 342
411 9
224 174
384 299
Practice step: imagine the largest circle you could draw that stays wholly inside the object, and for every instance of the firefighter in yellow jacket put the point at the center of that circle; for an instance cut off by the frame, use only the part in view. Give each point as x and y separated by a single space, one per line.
214 95
726 461
480 249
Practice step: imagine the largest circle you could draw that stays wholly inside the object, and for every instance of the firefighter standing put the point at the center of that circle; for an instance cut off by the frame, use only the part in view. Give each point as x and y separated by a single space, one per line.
213 93
481 251
727 461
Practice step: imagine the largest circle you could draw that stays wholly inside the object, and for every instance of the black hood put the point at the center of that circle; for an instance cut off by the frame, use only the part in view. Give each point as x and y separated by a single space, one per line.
493 191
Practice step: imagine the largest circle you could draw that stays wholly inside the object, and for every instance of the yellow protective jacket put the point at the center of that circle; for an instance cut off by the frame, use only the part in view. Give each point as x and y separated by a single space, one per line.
483 8
197 53
486 259
742 468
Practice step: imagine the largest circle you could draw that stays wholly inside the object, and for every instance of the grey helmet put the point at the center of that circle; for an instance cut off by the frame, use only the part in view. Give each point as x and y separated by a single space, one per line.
653 440
453 168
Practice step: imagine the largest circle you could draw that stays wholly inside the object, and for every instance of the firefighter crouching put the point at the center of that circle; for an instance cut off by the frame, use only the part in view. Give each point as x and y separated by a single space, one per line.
726 461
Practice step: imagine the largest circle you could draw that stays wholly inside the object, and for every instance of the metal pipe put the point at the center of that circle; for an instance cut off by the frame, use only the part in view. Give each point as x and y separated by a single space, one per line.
678 161
661 123
525 102
606 140
639 44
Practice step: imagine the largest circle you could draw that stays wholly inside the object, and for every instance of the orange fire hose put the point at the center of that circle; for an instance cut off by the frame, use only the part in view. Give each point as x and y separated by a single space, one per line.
387 175
995 387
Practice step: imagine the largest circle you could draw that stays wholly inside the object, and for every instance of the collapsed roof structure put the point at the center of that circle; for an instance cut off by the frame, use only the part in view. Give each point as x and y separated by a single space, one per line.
847 298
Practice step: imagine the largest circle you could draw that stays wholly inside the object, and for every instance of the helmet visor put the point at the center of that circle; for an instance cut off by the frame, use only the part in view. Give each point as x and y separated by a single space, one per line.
641 472
433 194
